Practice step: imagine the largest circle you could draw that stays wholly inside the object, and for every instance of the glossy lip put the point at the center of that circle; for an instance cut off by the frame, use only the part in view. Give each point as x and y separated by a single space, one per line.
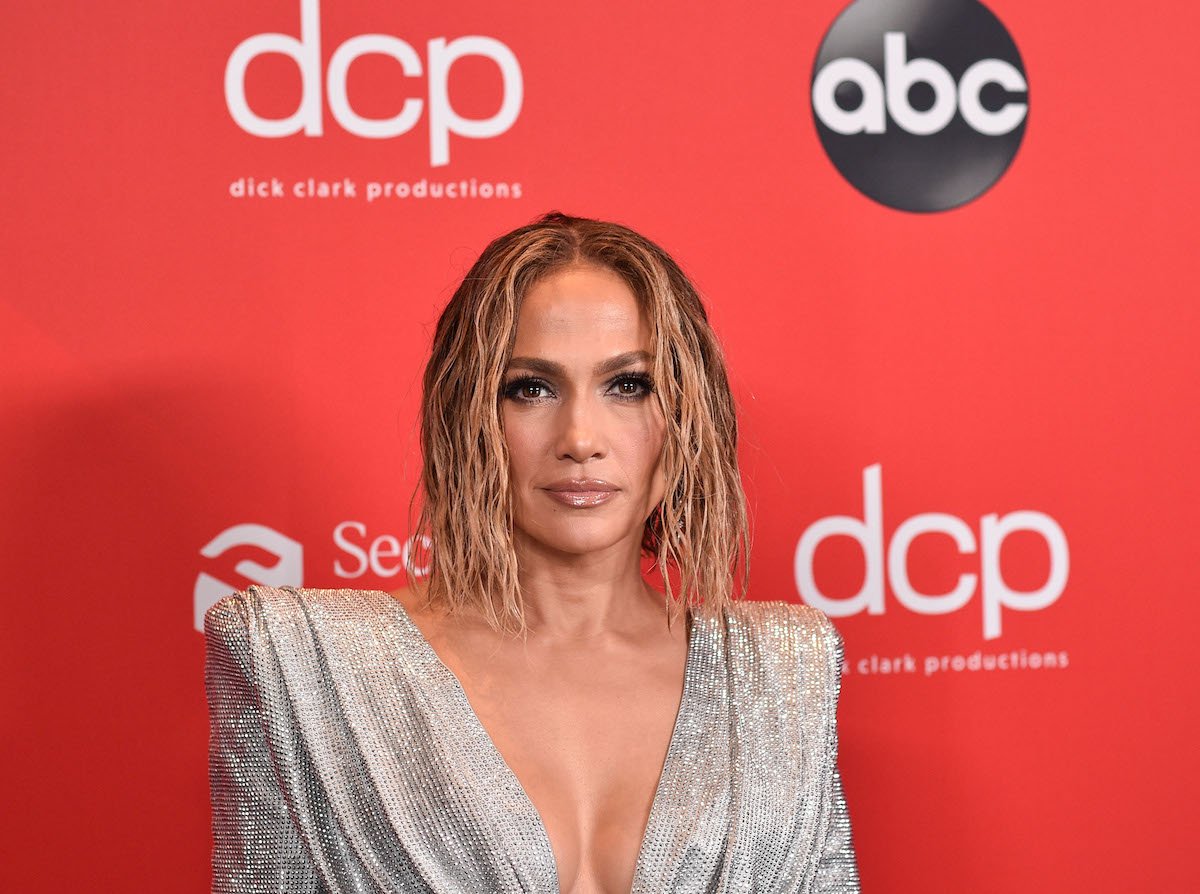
581 492
585 485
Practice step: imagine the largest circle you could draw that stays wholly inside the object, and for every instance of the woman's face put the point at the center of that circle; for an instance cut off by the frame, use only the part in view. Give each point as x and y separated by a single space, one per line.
577 404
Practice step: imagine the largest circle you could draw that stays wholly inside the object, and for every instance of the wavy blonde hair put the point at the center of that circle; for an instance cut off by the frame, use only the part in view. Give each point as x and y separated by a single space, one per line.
700 529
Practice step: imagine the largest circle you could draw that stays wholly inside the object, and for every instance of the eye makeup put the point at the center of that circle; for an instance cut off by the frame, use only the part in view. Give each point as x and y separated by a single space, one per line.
513 388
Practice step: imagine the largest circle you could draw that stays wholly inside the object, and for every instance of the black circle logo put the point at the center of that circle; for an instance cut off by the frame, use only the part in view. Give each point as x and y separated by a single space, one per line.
921 104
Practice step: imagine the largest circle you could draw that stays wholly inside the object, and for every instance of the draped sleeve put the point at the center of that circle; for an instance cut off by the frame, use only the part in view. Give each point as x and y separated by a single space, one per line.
837 869
256 845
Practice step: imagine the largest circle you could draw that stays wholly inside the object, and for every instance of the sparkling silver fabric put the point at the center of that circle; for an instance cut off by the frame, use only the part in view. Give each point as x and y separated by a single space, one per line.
345 757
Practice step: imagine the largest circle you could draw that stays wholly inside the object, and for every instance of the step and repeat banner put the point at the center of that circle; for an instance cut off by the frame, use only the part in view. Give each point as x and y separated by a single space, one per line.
950 251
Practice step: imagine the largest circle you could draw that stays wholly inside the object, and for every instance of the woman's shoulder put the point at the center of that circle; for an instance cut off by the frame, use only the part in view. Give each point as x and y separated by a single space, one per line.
248 607
241 605
780 611
788 623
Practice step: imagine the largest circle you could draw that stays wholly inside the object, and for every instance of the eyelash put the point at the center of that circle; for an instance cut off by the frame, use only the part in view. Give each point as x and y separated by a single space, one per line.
513 389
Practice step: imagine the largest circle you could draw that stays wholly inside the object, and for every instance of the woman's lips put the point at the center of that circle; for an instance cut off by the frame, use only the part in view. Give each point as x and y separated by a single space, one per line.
581 498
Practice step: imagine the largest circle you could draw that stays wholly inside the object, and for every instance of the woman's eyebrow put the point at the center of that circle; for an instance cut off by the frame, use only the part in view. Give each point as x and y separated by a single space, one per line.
550 368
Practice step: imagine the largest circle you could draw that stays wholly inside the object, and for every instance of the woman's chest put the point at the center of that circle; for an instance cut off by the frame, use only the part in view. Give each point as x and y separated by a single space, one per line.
586 734
470 777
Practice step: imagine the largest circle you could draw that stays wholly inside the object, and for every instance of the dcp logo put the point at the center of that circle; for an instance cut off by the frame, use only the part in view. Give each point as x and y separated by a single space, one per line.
306 53
921 105
995 592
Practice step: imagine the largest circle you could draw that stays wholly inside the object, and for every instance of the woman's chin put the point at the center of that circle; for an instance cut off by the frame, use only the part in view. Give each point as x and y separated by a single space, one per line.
578 536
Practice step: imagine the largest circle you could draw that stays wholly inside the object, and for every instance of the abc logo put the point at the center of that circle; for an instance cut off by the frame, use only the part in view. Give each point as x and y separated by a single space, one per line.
921 105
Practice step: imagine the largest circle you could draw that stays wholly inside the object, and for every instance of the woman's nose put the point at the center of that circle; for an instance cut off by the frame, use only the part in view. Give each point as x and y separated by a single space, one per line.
581 437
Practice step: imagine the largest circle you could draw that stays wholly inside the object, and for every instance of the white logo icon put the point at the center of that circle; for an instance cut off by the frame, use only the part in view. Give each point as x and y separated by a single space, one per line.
868 531
288 571
900 74
441 56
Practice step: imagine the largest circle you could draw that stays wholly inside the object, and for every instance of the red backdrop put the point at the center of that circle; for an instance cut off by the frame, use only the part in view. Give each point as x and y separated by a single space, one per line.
204 391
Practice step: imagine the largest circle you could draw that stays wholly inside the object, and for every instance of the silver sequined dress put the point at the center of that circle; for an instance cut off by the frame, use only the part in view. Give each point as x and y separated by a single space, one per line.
344 757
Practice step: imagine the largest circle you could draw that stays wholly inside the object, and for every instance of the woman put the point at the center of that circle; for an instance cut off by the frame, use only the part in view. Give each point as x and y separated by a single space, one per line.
533 716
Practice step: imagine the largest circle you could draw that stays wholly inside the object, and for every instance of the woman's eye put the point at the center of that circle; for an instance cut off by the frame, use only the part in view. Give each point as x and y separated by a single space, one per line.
628 387
635 386
519 389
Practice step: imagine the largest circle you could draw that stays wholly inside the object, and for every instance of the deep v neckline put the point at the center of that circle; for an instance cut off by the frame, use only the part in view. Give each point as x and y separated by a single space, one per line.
448 677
